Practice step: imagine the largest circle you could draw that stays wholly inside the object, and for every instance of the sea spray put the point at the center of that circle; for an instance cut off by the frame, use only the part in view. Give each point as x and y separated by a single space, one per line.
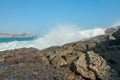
55 37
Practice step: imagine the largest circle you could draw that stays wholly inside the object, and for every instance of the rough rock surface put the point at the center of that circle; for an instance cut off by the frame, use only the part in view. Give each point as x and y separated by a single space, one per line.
92 66
58 61
99 66
117 34
111 30
95 59
81 68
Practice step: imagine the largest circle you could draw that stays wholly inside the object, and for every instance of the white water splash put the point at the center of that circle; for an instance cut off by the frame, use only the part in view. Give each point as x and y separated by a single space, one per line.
55 37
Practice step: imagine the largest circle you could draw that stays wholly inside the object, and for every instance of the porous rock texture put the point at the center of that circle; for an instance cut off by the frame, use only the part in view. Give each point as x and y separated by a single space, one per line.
95 59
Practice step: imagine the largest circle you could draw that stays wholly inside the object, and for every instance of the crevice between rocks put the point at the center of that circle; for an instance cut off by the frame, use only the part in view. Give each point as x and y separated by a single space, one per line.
73 69
88 63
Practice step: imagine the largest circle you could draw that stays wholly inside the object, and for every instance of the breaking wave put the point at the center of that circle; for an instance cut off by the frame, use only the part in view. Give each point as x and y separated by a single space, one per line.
55 37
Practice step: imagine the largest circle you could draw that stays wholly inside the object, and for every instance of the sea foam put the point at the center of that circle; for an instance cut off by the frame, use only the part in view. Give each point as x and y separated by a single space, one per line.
55 37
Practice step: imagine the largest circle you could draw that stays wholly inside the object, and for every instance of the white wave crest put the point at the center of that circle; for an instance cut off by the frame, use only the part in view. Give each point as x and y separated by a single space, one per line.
56 37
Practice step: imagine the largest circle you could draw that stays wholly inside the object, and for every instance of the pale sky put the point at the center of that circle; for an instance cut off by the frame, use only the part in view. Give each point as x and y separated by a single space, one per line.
39 16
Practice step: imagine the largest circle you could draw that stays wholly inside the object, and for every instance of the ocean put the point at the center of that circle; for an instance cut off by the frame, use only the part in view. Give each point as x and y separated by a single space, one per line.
10 39
55 37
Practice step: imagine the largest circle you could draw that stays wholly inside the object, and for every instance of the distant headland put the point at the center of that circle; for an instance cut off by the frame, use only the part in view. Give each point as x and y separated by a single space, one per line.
4 35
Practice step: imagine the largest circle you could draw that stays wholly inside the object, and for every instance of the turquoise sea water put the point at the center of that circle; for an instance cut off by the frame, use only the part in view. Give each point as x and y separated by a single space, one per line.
15 39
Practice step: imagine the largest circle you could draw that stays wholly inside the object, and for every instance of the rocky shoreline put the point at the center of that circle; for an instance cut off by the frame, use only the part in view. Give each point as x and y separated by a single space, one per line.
95 59
7 35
